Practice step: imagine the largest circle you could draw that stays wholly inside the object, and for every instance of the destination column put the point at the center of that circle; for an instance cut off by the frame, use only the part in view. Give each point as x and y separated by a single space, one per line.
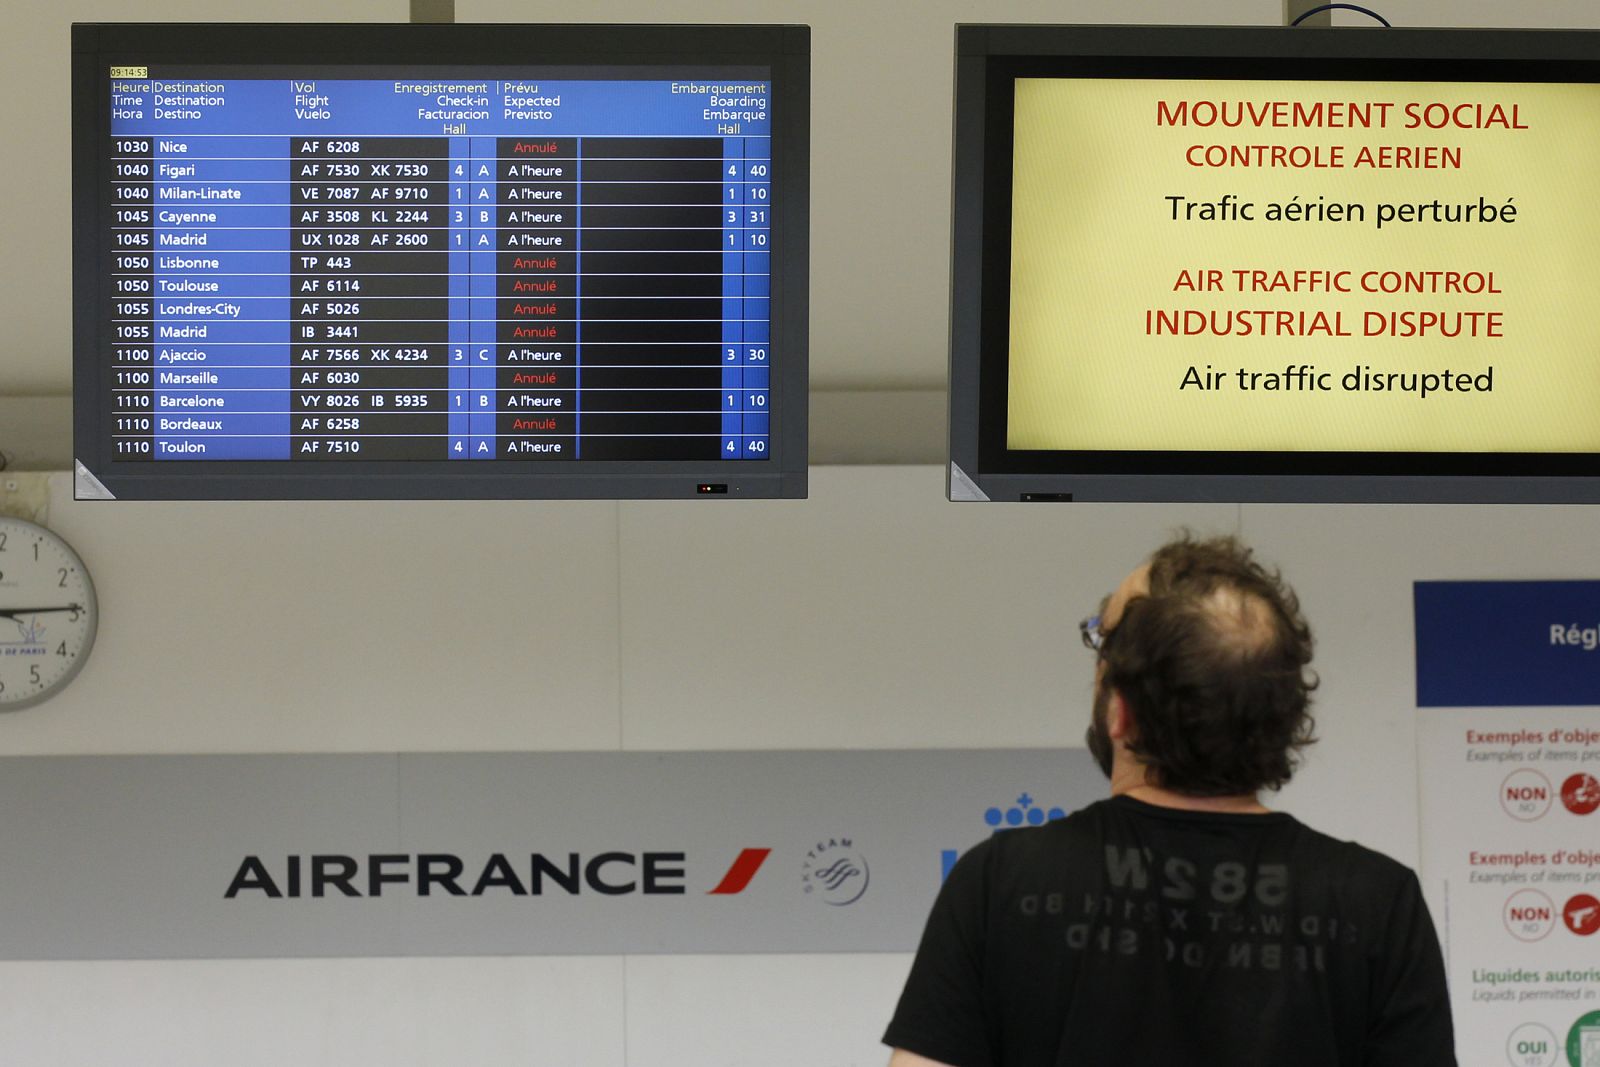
537 414
221 299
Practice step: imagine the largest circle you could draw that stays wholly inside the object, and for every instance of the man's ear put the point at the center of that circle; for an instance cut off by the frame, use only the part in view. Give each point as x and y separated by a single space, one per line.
1119 717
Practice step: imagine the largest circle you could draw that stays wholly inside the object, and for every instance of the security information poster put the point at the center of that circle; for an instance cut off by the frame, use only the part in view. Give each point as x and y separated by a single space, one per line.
1327 266
1508 688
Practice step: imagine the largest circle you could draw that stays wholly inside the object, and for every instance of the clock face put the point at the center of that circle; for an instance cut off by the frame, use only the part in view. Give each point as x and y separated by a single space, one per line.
47 613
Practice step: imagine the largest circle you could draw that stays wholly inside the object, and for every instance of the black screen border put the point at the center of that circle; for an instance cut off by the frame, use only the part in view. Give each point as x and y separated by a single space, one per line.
783 49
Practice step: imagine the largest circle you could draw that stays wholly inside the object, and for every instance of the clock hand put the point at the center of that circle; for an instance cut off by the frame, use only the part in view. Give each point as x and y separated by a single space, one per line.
15 614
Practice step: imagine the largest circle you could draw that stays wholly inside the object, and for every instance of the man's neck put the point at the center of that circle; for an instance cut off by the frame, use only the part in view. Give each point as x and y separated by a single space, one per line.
1244 804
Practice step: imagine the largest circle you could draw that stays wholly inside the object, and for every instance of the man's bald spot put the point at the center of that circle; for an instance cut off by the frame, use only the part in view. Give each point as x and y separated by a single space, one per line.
1240 622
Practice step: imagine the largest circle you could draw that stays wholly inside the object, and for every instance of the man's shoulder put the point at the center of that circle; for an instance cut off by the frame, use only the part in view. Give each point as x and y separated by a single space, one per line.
1353 860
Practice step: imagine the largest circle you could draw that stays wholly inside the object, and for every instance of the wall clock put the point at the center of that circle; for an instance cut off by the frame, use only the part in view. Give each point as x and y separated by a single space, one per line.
48 614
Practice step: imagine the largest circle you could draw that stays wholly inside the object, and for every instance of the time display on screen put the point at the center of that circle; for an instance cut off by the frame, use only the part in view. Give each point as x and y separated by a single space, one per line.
534 266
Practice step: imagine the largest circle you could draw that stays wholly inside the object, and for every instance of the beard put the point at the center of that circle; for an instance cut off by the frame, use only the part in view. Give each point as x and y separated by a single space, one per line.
1098 736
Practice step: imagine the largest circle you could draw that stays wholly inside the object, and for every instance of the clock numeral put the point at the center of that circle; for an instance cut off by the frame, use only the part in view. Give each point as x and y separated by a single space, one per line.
56 629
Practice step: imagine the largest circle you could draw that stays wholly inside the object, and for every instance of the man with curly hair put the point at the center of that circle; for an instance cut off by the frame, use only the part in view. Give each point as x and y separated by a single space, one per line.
1180 921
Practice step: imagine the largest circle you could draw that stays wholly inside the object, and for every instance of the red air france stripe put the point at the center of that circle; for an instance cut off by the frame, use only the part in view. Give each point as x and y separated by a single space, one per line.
744 868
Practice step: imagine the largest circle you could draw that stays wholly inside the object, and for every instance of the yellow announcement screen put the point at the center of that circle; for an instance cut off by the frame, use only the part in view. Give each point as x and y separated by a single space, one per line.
1231 265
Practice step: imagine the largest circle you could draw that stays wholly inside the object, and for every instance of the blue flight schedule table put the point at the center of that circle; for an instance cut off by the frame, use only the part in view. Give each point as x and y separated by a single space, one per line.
515 269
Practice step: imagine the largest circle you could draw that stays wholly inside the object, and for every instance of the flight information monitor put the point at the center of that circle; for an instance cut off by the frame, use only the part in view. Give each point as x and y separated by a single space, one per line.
440 261
1274 264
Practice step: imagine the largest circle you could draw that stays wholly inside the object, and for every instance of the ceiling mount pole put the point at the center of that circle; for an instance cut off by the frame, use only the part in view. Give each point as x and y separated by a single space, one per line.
1292 9
445 10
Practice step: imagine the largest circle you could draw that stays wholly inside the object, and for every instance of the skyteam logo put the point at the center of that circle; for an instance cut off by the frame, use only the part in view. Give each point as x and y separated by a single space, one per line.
835 870
1025 812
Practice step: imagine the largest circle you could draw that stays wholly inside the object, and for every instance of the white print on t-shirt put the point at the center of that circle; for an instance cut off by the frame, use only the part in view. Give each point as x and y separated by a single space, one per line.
1228 913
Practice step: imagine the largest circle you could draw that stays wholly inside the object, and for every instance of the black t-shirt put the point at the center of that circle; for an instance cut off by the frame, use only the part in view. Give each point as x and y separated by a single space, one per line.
1127 934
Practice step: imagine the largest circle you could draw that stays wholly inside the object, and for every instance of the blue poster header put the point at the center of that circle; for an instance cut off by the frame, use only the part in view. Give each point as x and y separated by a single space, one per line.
1500 644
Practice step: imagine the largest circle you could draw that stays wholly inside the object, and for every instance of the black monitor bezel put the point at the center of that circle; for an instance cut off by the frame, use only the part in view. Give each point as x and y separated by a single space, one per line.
784 49
989 58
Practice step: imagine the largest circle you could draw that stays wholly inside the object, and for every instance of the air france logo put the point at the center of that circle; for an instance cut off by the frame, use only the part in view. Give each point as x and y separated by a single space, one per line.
440 874
835 870
744 868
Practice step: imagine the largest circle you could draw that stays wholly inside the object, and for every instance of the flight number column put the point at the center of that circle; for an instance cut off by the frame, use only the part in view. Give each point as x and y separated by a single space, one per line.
651 325
131 370
370 260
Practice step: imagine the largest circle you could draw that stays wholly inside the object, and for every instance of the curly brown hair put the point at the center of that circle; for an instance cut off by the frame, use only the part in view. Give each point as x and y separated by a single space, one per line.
1213 665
